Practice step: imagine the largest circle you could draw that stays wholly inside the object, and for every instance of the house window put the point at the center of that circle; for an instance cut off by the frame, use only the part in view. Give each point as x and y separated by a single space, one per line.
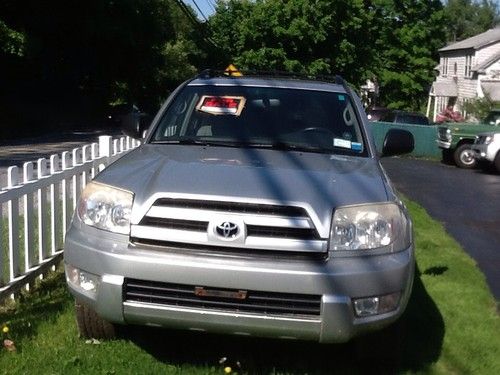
455 69
468 66
444 66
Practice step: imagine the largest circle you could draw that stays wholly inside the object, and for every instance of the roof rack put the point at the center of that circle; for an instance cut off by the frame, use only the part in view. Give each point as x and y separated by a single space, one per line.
213 73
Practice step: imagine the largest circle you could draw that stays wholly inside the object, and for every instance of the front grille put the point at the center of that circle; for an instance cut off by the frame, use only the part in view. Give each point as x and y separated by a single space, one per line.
280 232
197 226
268 227
443 134
232 207
481 139
230 252
256 302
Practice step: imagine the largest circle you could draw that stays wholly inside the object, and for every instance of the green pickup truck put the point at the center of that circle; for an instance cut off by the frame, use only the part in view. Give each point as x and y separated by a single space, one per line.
456 139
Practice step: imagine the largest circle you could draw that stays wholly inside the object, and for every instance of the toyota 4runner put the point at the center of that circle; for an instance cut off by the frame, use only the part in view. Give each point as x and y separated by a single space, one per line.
255 205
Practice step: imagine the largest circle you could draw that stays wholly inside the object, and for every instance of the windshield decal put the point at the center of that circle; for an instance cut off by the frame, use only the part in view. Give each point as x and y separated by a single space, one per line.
356 146
221 105
337 142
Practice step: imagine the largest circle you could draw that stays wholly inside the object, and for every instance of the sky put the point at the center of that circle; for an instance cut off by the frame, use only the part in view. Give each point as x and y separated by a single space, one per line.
207 7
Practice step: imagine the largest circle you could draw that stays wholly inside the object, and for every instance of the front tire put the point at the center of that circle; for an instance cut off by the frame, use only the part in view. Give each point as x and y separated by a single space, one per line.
464 157
496 162
92 326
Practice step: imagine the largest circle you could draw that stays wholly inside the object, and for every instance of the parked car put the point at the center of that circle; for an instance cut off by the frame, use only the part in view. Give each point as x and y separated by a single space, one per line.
404 117
128 117
375 113
256 206
456 139
486 150
116 113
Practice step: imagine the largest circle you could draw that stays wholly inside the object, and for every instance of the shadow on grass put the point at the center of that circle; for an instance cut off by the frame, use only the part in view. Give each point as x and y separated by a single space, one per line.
43 303
416 348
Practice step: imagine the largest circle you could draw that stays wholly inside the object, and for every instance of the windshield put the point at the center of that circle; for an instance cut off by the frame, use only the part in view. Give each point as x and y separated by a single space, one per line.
493 118
264 117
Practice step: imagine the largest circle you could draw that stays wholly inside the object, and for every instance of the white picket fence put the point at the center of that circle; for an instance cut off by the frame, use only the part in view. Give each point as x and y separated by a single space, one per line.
37 205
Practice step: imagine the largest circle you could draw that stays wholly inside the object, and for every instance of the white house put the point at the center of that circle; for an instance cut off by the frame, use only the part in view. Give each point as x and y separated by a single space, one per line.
468 70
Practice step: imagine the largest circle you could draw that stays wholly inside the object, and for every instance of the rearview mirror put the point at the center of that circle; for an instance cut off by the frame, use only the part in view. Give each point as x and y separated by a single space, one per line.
397 142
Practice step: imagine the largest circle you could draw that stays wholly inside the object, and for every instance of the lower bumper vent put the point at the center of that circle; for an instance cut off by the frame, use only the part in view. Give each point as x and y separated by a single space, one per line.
263 303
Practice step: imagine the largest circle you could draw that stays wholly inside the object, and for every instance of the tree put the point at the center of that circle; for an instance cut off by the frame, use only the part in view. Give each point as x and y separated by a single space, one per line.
74 58
396 41
11 41
315 37
411 34
466 18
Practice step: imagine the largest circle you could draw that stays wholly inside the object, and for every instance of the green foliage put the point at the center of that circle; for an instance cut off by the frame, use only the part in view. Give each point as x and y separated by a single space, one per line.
479 108
75 58
411 32
466 18
317 37
395 41
11 41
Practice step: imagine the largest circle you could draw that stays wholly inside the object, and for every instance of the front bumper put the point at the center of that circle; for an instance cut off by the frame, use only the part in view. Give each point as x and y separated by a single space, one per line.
337 280
443 144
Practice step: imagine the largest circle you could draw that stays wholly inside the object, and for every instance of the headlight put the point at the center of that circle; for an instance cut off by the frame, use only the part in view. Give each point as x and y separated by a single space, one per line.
448 135
373 226
488 139
105 207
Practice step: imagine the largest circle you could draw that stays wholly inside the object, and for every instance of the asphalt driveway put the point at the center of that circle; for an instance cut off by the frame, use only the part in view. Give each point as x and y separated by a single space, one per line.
467 202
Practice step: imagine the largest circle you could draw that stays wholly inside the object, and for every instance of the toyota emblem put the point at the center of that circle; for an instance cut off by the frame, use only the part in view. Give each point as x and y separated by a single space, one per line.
227 230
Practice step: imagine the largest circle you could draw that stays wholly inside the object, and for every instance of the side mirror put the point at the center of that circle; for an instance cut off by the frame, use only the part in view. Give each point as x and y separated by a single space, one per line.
397 142
135 124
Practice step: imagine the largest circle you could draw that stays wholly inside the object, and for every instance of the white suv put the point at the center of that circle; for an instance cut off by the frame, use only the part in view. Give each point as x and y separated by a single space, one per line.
487 149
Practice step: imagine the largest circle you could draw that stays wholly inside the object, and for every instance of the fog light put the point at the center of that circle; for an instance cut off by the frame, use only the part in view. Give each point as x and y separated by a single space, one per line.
85 281
376 305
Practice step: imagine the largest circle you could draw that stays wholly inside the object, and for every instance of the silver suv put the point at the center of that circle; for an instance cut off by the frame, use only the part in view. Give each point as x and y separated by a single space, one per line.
255 206
486 150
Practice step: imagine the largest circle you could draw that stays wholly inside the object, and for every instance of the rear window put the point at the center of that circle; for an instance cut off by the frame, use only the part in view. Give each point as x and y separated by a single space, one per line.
263 117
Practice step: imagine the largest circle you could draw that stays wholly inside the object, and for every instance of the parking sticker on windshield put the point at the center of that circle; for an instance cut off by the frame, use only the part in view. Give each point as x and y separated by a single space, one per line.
356 146
221 105
337 142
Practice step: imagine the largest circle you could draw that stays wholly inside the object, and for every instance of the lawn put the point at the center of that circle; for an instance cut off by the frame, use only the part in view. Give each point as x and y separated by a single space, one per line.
452 327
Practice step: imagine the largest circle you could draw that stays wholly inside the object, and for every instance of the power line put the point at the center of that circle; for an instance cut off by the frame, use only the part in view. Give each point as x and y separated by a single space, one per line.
202 27
211 4
199 10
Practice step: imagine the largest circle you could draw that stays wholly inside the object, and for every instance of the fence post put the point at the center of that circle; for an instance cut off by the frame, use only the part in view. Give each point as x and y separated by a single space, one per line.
77 178
105 150
29 249
54 204
13 223
42 210
1 247
66 164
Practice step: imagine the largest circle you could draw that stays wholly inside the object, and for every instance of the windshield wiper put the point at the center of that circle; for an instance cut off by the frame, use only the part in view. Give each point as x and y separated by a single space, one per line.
182 141
295 147
198 142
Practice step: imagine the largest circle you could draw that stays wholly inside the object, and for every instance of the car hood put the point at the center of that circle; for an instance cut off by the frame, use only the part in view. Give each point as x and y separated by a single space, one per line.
316 182
469 127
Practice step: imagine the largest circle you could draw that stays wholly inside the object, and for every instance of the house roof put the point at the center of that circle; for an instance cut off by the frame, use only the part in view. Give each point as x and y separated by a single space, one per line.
475 42
444 89
480 68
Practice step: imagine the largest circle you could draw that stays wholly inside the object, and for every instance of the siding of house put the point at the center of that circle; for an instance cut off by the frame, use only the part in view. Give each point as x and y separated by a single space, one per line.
485 53
467 87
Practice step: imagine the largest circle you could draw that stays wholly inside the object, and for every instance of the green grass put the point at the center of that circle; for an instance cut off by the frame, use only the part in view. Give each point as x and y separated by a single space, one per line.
452 327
